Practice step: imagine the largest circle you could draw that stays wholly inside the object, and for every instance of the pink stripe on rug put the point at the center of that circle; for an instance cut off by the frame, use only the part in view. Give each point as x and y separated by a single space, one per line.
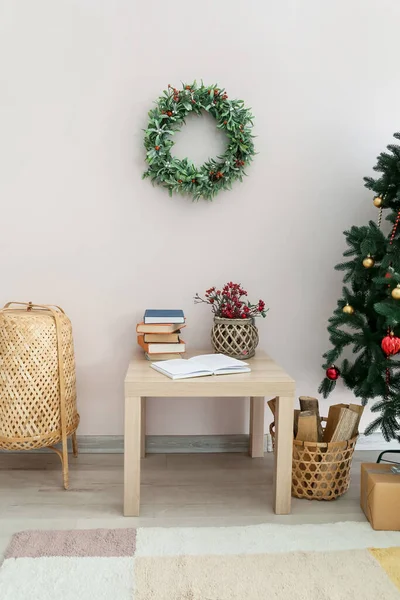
87 542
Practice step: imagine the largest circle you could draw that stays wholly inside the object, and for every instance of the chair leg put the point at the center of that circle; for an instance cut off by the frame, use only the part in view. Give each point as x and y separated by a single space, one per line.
74 444
65 462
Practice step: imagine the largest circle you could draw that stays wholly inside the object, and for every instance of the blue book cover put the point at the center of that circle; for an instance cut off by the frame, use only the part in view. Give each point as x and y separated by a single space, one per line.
164 316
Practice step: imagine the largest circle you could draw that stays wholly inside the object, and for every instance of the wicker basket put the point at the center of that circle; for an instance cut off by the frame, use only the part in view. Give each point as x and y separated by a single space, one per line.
320 470
237 338
37 380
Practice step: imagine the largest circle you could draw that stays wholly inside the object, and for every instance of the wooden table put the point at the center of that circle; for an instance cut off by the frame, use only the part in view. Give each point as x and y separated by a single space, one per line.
266 379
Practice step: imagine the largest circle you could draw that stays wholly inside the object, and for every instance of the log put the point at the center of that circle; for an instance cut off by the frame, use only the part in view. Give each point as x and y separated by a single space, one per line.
359 410
333 418
310 403
345 425
272 405
296 421
307 430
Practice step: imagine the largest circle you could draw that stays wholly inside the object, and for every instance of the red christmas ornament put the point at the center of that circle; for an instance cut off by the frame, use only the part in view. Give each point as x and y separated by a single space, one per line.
333 373
390 344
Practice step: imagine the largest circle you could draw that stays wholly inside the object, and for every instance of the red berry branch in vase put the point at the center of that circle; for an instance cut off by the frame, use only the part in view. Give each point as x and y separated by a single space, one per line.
229 303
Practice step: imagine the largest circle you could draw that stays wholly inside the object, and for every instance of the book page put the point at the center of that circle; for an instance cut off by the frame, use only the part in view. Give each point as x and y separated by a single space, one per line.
179 366
214 362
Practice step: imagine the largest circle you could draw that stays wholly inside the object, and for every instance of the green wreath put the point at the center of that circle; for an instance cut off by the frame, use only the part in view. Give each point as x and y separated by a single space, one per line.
183 176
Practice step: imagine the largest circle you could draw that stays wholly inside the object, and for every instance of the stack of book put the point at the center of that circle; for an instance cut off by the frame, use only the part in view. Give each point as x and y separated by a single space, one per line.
159 334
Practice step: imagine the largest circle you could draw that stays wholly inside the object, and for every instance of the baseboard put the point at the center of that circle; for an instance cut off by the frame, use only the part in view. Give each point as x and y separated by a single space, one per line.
161 444
376 441
167 444
181 444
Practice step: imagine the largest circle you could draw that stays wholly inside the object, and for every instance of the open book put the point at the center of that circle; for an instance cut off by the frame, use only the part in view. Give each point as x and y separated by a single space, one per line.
199 366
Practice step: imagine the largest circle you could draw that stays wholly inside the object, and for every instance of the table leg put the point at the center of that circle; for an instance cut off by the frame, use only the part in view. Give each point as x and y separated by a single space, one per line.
132 445
257 405
283 454
143 429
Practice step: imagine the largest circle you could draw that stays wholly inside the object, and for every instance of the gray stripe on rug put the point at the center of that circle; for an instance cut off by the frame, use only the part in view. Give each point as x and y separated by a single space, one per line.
84 542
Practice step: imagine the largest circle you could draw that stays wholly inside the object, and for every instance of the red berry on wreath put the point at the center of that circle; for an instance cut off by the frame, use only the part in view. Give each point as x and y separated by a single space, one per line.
188 87
225 122
332 373
216 92
193 181
169 113
179 180
157 147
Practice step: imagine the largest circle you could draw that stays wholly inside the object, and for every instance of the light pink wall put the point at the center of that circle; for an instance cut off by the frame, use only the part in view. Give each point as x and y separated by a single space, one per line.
81 229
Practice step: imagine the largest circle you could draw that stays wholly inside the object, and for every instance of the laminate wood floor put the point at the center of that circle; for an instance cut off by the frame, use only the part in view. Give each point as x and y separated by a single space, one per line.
177 490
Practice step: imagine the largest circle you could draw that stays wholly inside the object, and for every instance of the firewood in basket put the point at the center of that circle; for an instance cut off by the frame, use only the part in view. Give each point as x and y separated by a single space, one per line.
346 423
333 418
272 405
310 403
307 430
359 410
296 421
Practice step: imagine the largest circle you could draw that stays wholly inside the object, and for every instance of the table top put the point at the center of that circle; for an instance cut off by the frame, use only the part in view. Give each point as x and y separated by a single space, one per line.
266 378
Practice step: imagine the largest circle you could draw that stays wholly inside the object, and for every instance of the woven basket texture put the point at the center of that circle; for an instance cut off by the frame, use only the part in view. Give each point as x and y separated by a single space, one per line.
320 470
237 338
30 389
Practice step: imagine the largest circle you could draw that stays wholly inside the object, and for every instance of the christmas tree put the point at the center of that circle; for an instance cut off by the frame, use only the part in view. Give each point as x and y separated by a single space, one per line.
367 317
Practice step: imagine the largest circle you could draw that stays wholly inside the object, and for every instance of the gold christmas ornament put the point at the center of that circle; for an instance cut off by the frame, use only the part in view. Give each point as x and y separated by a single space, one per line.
396 292
378 201
368 262
349 310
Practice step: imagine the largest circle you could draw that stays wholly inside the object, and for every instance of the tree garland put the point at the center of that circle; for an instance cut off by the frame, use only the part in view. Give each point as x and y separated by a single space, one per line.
214 175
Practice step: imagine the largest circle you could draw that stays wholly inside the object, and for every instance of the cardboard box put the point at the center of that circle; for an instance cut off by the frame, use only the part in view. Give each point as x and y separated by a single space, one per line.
380 496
